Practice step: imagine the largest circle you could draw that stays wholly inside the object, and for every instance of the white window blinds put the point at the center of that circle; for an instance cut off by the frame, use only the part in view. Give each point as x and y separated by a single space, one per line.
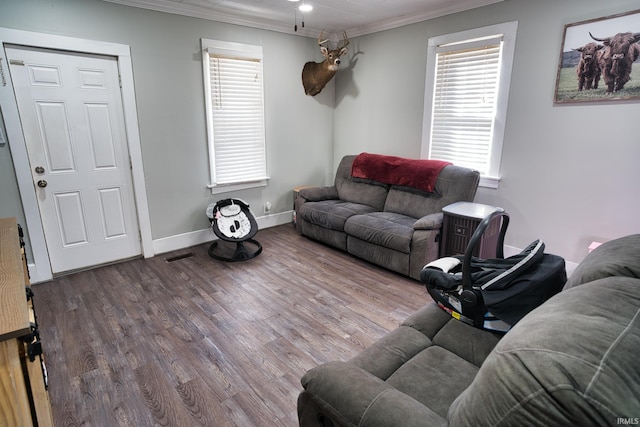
235 110
464 103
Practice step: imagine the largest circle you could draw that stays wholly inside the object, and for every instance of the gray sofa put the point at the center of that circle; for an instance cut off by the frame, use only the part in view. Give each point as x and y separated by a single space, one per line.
573 361
396 227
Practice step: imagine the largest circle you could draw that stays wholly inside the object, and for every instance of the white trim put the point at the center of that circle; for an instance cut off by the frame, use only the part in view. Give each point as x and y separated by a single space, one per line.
220 189
240 50
509 30
41 266
193 238
34 276
432 13
203 12
489 181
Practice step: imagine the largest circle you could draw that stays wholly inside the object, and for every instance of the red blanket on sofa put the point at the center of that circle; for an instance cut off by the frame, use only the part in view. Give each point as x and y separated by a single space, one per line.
420 174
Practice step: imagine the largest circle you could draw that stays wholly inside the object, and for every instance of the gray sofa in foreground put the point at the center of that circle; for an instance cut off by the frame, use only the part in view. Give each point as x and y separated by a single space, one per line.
397 227
573 361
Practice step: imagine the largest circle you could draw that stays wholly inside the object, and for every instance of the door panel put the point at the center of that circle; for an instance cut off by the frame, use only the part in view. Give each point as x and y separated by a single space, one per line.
111 209
52 121
100 137
72 227
71 112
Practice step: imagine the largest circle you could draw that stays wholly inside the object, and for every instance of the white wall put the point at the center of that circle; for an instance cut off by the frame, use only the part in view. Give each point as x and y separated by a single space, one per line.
569 173
167 70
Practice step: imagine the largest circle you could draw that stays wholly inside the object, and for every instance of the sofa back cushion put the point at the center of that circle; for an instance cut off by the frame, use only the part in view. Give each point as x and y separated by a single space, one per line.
619 257
356 190
571 361
454 184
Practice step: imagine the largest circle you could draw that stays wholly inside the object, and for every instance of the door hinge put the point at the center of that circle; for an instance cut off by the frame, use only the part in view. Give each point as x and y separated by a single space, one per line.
120 80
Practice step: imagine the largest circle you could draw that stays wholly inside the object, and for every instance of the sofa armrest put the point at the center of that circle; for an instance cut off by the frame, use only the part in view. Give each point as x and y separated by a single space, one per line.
351 396
317 194
429 222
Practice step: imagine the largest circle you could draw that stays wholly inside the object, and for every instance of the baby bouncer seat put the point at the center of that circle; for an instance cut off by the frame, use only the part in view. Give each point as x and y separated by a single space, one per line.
494 294
233 221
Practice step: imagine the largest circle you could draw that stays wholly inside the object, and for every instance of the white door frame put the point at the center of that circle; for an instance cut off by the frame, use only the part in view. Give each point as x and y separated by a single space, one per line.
41 269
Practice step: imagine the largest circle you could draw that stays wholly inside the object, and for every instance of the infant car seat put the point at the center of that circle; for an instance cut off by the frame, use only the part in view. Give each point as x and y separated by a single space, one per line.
494 294
233 221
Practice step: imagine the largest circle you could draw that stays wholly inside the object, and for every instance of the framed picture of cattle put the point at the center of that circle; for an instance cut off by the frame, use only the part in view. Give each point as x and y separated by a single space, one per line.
600 60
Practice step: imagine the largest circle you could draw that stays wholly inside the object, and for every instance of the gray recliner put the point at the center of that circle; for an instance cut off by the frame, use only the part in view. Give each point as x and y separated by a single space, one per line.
571 361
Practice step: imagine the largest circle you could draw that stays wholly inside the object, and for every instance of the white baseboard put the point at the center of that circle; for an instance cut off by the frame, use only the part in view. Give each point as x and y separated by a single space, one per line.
199 237
34 277
193 238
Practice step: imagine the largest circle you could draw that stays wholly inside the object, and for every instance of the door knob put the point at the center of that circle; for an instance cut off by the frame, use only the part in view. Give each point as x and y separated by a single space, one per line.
39 169
42 183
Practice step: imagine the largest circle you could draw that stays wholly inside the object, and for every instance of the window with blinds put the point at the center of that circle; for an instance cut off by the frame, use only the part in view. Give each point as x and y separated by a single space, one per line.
466 93
464 104
235 115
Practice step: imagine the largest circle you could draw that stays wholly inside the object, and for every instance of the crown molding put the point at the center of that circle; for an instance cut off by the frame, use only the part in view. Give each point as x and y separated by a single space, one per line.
388 24
264 23
213 15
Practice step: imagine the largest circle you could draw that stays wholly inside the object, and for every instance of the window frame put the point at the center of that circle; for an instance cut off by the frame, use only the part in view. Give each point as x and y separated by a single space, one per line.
241 51
508 32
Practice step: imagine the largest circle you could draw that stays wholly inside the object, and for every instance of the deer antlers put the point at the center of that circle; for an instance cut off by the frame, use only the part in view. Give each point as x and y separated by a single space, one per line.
345 40
320 41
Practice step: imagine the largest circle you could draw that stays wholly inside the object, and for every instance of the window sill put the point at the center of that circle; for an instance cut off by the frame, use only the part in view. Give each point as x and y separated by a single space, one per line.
489 181
218 189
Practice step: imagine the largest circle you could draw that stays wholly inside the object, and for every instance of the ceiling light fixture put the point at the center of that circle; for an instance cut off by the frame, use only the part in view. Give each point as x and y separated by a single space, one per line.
294 0
295 25
302 8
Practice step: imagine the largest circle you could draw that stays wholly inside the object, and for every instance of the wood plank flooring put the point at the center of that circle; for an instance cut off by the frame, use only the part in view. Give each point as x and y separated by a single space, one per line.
200 342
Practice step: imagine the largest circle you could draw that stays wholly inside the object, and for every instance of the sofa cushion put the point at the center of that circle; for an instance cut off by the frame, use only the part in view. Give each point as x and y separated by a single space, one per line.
430 347
353 397
331 214
434 377
365 192
387 229
391 381
393 350
617 257
571 361
471 344
410 203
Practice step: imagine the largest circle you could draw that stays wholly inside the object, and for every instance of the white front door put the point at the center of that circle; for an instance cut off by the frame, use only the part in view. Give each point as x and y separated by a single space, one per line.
72 117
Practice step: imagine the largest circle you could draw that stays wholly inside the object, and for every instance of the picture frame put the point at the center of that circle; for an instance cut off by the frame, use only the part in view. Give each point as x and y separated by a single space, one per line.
591 69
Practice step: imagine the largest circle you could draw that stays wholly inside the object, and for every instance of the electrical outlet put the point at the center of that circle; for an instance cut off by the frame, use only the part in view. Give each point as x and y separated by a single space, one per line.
267 207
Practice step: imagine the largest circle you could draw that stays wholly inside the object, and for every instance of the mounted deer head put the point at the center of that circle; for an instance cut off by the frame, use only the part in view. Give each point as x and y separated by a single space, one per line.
315 75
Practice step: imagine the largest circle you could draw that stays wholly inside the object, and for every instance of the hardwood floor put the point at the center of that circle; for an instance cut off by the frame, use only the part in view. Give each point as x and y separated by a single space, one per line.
199 342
